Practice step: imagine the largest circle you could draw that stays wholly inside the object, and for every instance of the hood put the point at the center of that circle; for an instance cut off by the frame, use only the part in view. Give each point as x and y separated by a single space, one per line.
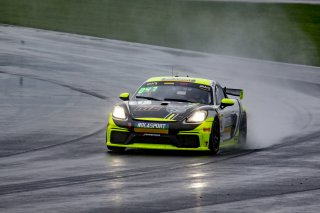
177 111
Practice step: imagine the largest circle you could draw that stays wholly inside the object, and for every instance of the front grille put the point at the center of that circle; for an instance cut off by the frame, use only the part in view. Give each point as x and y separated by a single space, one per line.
119 137
182 141
189 141
151 140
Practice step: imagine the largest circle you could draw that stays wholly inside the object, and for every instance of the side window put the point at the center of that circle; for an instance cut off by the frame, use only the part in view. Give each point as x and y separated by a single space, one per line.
219 94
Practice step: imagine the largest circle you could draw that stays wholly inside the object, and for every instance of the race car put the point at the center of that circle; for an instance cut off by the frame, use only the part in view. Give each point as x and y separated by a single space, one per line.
178 113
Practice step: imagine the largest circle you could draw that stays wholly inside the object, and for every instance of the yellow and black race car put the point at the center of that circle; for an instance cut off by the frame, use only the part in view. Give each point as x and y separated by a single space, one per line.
178 113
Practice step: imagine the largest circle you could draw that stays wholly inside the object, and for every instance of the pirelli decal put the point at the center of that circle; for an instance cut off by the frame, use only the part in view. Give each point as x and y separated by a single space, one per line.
157 128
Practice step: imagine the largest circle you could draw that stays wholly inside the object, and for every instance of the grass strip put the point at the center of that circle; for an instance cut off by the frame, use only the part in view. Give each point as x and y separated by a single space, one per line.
280 32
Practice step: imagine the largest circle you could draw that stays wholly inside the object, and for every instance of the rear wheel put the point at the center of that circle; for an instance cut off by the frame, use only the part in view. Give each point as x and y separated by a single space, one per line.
243 130
116 149
214 144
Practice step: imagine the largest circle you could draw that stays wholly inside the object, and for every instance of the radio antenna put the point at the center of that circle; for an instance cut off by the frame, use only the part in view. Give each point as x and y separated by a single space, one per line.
172 70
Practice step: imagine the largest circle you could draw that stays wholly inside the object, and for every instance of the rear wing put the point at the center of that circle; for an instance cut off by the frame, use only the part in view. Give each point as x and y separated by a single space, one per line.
234 92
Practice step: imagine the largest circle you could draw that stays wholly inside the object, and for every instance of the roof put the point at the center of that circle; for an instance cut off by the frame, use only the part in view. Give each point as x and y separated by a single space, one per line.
182 79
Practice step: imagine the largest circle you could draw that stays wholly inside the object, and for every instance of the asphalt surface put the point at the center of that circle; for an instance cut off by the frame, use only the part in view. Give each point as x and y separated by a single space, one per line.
57 89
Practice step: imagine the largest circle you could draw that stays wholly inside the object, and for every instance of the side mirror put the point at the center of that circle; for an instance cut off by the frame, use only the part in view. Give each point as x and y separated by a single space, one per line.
227 102
241 94
124 96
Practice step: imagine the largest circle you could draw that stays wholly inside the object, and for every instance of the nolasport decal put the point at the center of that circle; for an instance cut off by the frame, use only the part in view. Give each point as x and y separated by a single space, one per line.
155 128
151 125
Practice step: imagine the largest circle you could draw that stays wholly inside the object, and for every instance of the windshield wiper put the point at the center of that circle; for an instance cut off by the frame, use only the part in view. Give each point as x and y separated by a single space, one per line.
148 98
178 100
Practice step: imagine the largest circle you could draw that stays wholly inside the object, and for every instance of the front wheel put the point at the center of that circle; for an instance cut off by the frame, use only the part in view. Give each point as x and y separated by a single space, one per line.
214 143
116 149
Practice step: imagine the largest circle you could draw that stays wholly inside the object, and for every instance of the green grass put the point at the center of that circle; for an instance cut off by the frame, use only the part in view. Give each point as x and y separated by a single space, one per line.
280 32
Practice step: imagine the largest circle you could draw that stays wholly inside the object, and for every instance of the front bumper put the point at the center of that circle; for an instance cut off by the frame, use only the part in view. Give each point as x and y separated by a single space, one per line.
195 139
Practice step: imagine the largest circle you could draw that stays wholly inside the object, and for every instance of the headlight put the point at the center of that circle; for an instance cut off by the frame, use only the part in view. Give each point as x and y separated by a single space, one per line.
119 112
197 117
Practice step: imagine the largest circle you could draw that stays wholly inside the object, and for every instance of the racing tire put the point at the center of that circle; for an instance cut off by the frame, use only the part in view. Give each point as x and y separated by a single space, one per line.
243 130
116 149
214 143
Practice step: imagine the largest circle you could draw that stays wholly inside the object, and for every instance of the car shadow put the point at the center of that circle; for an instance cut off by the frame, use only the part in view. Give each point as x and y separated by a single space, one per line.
181 153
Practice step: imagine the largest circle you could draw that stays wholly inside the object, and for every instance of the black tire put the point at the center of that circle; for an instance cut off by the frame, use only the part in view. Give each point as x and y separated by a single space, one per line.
116 149
243 130
214 143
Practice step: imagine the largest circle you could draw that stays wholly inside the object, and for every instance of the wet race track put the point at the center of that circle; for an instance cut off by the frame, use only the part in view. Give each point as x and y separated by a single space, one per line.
57 89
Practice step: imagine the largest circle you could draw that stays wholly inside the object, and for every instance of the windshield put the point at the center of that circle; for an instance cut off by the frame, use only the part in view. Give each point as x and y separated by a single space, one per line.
175 91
